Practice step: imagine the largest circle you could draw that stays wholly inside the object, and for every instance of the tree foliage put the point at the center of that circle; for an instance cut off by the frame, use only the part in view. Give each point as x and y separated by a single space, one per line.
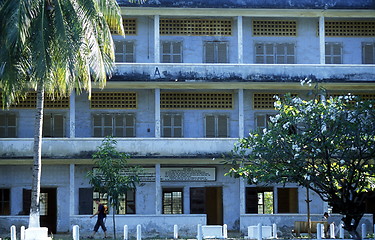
112 174
325 145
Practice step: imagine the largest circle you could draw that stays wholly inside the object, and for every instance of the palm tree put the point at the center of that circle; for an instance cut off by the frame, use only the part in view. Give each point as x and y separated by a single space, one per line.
53 47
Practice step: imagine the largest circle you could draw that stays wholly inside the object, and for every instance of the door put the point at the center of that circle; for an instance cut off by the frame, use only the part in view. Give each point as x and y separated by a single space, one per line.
48 207
209 201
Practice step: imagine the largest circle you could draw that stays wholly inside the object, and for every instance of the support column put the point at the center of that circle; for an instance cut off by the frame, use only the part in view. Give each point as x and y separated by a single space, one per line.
72 115
72 204
240 39
156 39
242 196
157 113
322 40
158 192
241 119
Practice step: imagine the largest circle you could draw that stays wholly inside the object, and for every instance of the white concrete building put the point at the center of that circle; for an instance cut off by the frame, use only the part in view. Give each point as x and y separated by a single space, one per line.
192 78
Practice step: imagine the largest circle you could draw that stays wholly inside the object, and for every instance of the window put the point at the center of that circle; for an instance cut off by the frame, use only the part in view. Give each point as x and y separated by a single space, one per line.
8 125
261 200
216 52
171 52
124 51
333 53
172 201
274 53
172 125
53 125
116 125
262 121
127 203
85 203
216 126
368 53
103 200
4 201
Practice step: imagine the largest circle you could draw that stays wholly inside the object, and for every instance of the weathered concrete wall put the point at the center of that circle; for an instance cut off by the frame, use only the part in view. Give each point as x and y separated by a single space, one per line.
254 4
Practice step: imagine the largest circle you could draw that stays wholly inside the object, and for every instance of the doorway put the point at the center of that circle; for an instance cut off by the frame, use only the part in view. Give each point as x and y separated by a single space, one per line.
48 207
209 201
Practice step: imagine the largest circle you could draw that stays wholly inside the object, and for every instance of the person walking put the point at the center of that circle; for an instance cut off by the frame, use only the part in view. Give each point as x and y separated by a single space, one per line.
100 221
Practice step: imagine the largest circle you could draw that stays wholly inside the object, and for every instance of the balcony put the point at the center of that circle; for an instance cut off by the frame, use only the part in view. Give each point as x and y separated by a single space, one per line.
137 147
243 73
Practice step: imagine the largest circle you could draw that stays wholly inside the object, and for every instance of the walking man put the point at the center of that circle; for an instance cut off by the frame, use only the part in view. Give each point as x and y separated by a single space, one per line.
101 216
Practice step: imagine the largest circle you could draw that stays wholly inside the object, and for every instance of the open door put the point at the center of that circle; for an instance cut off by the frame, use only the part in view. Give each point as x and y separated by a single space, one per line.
48 207
207 200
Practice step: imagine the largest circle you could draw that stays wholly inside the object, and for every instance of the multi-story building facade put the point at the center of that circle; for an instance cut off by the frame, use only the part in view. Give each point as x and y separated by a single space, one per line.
191 79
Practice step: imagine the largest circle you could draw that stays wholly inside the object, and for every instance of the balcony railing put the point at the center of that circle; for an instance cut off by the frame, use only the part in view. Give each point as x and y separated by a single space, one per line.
137 147
190 72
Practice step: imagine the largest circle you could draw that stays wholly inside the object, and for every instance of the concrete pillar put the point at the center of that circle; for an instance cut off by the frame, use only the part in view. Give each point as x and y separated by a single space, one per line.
274 230
158 196
139 232
175 231
242 196
186 201
241 119
75 232
157 113
225 231
72 115
260 233
240 39
22 232
341 228
72 206
364 231
126 232
13 233
322 40
199 232
156 39
332 230
318 231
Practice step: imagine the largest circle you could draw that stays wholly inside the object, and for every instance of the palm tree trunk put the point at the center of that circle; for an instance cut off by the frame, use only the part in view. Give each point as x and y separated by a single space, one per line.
114 221
34 220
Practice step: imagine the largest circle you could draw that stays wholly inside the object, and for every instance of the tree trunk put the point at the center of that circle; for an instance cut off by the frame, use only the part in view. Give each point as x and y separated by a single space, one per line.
34 220
351 223
308 212
114 222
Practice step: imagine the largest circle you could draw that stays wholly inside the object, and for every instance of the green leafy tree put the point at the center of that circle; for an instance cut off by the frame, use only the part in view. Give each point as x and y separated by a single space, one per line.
327 146
112 175
53 47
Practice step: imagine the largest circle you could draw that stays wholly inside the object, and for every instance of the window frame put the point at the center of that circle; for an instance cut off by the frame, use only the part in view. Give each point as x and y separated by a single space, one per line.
124 54
262 191
274 55
171 53
216 125
364 56
216 57
52 117
173 127
6 125
113 125
329 46
181 203
266 116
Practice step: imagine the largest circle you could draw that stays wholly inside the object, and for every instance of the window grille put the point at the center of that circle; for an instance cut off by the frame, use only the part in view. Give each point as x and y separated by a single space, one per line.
116 125
169 100
130 26
216 52
124 51
266 100
274 53
172 201
8 125
172 125
274 28
368 53
216 126
114 100
171 52
349 28
53 125
49 102
333 53
196 27
362 96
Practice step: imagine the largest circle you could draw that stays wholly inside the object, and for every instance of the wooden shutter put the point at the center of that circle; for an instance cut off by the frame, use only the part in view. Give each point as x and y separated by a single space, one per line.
197 200
222 52
58 125
259 53
26 201
210 126
177 52
119 51
130 125
129 52
287 200
167 125
97 125
209 52
222 126
47 125
85 201
251 199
